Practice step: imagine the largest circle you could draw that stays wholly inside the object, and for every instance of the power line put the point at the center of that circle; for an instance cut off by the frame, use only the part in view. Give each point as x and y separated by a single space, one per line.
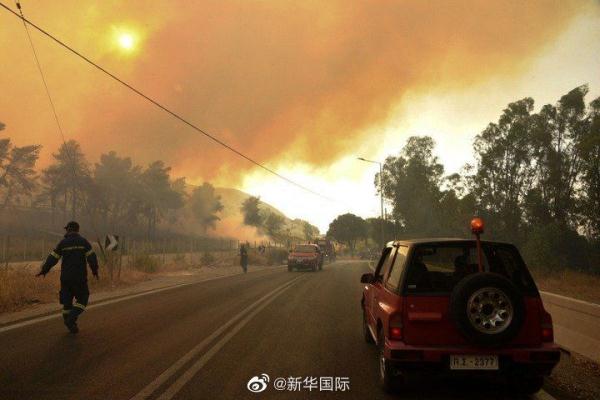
39 67
71 158
159 105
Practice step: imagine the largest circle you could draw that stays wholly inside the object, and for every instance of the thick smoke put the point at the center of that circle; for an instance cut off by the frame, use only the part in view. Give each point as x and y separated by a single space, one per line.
280 80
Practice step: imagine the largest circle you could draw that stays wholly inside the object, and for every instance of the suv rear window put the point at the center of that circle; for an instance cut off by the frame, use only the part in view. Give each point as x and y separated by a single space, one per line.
437 268
305 249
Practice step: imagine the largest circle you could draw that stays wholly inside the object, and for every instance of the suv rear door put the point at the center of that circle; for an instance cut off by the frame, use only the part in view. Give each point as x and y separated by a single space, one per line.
430 276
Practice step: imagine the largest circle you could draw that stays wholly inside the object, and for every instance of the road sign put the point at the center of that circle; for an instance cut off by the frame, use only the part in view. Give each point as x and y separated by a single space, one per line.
111 242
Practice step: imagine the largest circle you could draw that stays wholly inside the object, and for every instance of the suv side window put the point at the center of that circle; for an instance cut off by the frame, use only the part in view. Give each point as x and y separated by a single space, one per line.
384 254
387 264
393 280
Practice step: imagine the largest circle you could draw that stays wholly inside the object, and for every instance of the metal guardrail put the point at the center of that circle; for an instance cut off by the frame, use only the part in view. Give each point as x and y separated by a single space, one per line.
576 324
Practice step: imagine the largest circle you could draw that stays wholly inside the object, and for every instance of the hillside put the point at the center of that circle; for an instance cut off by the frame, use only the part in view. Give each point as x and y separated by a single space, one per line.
232 221
232 200
232 218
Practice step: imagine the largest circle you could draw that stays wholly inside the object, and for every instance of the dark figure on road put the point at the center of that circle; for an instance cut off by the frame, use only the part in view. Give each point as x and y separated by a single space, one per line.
244 258
75 250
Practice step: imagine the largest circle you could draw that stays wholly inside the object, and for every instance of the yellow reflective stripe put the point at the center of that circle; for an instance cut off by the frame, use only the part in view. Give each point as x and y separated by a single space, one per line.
73 248
79 306
89 253
53 254
66 311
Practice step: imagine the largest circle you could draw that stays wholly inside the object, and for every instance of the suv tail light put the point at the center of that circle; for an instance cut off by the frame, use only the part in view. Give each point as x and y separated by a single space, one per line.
395 327
547 330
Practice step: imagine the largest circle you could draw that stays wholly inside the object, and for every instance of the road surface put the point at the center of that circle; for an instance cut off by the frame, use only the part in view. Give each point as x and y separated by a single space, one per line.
207 340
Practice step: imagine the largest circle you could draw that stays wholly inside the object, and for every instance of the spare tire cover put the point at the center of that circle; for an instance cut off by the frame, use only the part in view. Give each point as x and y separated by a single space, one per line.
487 309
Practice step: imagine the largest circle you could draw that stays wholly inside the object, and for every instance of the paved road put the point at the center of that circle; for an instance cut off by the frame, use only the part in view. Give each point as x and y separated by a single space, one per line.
206 340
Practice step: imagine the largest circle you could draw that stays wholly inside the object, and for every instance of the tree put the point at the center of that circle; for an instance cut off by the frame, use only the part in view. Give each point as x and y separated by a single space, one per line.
590 178
558 134
251 211
273 223
348 229
411 181
117 190
505 172
205 205
17 173
309 231
67 180
390 231
158 194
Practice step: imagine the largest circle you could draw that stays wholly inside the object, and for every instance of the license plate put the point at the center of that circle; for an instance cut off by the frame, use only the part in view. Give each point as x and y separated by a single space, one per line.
474 362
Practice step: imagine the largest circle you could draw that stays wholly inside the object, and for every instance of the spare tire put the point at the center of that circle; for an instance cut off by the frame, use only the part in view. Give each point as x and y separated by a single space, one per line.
487 309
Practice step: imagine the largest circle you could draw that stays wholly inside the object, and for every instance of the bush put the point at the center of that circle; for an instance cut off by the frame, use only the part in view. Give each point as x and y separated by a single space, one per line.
255 258
144 263
554 247
207 259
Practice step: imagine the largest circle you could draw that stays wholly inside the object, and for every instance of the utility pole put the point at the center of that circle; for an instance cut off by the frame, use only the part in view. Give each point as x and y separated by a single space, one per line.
380 182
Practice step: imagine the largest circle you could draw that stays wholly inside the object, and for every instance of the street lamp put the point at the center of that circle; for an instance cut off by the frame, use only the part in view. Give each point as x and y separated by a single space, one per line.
380 193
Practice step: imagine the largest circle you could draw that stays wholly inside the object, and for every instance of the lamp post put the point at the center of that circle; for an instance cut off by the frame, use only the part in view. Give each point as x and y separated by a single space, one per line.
380 193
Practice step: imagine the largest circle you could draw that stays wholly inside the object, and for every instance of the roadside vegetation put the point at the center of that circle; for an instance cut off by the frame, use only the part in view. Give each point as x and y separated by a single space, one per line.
19 287
536 183
114 195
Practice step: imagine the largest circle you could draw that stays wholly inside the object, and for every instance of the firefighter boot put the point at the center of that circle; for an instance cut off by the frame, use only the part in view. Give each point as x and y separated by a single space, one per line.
65 315
71 320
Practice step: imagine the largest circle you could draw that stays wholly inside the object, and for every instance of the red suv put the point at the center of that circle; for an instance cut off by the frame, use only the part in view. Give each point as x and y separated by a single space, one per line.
305 256
457 306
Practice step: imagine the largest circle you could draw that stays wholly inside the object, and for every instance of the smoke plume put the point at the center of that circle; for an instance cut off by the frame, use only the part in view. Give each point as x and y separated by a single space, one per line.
282 81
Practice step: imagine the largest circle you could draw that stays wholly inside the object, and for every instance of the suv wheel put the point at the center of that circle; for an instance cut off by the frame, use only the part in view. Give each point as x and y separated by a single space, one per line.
526 384
389 381
290 268
314 268
487 309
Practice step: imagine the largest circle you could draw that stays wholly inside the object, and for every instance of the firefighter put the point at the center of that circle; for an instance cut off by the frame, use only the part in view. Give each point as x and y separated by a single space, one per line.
244 258
75 251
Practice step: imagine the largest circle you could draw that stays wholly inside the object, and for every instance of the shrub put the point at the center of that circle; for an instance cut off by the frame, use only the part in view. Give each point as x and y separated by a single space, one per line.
144 263
554 247
207 259
255 258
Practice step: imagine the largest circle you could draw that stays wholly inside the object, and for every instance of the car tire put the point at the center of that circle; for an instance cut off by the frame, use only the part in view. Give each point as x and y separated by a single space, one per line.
290 269
366 331
314 268
479 297
525 385
387 377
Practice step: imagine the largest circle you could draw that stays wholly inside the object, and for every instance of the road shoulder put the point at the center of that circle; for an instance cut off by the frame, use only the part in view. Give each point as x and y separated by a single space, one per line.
162 281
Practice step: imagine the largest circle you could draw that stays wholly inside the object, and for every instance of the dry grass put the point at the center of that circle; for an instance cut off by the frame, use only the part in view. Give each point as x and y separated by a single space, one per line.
19 288
569 283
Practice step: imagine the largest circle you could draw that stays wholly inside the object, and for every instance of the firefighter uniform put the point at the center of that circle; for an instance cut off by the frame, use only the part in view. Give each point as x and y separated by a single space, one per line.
75 251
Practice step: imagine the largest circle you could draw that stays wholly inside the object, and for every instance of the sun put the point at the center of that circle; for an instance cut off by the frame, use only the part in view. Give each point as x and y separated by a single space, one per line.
127 41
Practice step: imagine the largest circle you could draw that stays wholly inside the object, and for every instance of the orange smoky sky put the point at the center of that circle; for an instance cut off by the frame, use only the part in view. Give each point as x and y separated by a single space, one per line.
282 81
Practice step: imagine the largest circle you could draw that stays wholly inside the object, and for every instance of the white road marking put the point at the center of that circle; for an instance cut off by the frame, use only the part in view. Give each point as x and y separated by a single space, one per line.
162 378
58 314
